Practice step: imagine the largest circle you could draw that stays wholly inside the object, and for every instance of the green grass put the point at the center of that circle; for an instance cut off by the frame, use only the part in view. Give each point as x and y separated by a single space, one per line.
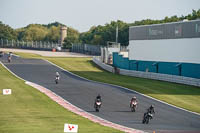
29 111
184 96
28 55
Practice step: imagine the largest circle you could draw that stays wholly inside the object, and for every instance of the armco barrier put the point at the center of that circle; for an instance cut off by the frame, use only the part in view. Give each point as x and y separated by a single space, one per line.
149 75
97 60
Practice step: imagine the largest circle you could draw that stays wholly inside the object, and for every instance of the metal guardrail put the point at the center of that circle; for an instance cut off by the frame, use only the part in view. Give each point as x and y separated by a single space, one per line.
148 75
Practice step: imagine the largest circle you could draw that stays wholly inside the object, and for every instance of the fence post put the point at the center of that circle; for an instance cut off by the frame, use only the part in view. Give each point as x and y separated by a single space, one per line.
36 44
26 44
17 42
7 42
40 44
2 42
22 43
12 43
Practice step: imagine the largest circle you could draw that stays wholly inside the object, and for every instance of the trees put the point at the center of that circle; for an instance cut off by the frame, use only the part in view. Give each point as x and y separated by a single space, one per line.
6 32
195 15
33 32
97 35
53 34
102 34
38 32
72 37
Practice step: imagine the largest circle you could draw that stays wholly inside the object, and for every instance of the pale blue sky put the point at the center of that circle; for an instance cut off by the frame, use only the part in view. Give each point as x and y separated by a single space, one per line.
82 14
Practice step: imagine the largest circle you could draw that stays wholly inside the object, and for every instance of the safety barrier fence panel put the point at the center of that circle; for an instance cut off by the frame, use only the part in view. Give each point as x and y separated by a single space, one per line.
148 75
39 45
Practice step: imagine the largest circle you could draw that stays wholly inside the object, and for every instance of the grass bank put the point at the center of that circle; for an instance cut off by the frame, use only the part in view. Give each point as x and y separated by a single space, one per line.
30 111
185 96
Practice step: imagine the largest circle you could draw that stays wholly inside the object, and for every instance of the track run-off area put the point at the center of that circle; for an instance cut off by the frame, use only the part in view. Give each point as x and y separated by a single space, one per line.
115 100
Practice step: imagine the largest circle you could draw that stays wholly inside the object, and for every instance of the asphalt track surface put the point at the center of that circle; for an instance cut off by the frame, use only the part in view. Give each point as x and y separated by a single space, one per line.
115 100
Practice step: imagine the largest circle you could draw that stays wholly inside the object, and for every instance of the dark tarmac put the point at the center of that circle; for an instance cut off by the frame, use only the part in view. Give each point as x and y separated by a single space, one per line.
115 100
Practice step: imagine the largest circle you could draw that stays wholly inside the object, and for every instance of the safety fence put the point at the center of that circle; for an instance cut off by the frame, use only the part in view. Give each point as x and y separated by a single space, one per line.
97 60
39 45
148 75
87 49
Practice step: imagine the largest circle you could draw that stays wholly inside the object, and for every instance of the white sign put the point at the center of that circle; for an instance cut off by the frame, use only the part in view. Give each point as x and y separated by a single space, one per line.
7 91
70 128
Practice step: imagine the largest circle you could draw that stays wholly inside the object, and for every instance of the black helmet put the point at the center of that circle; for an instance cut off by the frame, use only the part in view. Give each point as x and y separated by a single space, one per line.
98 96
151 106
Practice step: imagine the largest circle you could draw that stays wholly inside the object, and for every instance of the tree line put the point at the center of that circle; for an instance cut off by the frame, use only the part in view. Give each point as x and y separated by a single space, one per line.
97 35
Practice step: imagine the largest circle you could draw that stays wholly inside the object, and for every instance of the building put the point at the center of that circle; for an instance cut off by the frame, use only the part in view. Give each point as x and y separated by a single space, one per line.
63 34
171 48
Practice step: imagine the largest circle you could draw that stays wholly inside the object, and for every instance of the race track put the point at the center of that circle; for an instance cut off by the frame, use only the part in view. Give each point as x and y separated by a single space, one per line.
115 107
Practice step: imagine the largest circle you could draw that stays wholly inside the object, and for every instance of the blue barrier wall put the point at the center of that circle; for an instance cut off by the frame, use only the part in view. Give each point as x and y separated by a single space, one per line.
191 70
168 68
172 68
146 66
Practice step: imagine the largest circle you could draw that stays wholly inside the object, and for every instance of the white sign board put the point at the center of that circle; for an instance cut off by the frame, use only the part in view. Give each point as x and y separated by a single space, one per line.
7 91
70 128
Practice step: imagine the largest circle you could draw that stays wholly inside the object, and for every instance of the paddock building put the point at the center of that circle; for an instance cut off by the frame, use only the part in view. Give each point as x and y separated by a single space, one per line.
171 48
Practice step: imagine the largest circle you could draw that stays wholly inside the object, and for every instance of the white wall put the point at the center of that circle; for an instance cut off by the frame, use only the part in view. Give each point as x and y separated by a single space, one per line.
106 52
125 54
111 50
168 50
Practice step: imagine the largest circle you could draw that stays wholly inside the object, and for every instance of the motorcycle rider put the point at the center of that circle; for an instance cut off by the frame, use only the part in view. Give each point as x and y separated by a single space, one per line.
98 98
133 99
57 75
150 110
9 56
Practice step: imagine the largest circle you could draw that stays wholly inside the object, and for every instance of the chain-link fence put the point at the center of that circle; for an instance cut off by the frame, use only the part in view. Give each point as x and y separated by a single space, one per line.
86 49
38 45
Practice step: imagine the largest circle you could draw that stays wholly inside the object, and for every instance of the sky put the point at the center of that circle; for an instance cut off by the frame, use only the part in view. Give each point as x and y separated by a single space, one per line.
83 14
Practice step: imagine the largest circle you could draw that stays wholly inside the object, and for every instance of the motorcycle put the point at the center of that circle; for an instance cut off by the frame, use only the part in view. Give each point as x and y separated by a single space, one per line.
97 105
147 117
9 59
133 106
57 79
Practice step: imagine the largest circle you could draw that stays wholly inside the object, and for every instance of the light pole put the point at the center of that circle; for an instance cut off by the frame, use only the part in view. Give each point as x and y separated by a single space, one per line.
116 35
